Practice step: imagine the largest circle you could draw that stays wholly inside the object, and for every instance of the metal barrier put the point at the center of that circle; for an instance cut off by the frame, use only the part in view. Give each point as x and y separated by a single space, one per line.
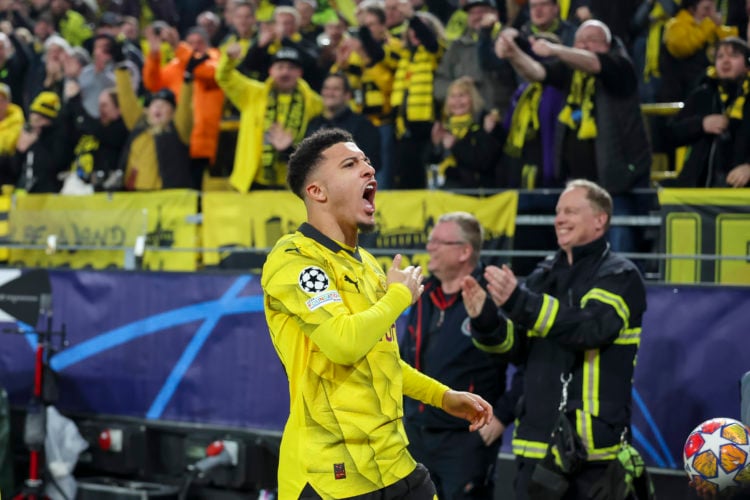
660 164
535 217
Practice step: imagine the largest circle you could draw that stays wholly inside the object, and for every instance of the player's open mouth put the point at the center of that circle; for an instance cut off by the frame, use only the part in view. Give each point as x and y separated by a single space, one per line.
369 196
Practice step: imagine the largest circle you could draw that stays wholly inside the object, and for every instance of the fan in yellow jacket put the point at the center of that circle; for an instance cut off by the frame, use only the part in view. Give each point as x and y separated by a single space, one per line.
11 123
691 29
273 117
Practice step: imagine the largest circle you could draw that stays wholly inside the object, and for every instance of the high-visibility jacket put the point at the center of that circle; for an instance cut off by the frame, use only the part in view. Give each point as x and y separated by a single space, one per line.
584 320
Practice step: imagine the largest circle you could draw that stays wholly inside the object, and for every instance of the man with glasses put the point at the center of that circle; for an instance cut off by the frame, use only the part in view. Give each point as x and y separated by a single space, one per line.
438 343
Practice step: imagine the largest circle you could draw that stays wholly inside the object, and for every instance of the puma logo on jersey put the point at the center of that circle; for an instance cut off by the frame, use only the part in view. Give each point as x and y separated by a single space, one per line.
352 281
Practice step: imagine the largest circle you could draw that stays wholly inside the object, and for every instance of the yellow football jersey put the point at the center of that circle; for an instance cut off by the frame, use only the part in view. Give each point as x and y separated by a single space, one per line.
332 322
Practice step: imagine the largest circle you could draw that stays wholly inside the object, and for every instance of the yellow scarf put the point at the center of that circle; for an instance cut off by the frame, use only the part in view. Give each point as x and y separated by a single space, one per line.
458 126
289 111
733 108
564 9
658 18
525 120
580 101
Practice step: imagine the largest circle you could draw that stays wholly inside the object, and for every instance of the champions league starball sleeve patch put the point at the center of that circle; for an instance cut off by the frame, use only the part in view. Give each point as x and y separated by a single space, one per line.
314 280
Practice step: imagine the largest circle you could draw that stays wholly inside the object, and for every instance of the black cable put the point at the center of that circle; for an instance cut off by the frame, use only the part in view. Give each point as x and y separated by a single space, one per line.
51 479
182 493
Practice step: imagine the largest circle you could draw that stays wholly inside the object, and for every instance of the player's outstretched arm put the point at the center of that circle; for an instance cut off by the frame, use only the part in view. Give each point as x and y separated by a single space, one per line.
468 406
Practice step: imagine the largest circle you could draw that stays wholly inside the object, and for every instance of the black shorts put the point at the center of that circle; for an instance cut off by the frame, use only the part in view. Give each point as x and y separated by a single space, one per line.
415 486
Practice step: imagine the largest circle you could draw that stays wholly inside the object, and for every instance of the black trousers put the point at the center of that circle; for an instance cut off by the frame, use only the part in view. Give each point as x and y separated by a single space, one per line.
415 486
460 464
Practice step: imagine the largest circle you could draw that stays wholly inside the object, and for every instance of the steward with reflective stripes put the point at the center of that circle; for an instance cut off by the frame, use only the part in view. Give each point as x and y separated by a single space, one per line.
579 312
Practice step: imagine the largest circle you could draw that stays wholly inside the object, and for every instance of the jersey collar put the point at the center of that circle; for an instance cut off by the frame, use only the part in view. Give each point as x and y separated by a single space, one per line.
327 242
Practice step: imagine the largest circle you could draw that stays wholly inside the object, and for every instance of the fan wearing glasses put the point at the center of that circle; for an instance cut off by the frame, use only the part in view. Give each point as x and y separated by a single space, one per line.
438 343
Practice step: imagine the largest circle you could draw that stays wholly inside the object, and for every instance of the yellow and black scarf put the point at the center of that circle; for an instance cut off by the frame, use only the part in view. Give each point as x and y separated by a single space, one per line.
580 101
734 104
83 163
458 126
525 120
659 18
289 111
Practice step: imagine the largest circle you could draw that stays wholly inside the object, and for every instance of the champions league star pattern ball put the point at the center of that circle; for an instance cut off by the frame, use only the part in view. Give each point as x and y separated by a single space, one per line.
717 454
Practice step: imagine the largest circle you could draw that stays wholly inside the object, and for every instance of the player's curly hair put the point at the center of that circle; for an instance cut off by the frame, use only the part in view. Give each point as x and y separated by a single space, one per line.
308 155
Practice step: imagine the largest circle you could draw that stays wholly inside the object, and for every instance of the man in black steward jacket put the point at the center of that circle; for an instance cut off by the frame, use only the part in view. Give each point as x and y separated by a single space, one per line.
577 317
438 343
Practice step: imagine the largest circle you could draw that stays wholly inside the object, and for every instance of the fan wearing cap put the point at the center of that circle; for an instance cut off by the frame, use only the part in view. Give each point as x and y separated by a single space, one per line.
156 155
39 149
273 117
11 123
715 122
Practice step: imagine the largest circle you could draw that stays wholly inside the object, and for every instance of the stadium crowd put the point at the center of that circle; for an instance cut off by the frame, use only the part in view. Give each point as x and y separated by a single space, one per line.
459 94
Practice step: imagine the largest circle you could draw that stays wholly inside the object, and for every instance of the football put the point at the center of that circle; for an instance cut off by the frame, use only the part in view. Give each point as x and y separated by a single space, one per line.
717 455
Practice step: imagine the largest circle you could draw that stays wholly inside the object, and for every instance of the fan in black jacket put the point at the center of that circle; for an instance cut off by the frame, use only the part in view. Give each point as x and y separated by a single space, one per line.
38 150
715 122
94 144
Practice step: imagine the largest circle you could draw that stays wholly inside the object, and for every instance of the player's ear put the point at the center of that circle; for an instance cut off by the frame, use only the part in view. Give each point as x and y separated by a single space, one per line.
316 191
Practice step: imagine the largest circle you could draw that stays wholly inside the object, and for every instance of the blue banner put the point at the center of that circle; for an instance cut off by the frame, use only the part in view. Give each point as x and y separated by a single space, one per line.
195 348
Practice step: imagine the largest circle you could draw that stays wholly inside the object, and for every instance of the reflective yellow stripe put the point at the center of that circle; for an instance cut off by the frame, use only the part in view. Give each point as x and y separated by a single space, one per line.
590 398
547 315
608 453
614 300
529 449
505 346
629 336
591 377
